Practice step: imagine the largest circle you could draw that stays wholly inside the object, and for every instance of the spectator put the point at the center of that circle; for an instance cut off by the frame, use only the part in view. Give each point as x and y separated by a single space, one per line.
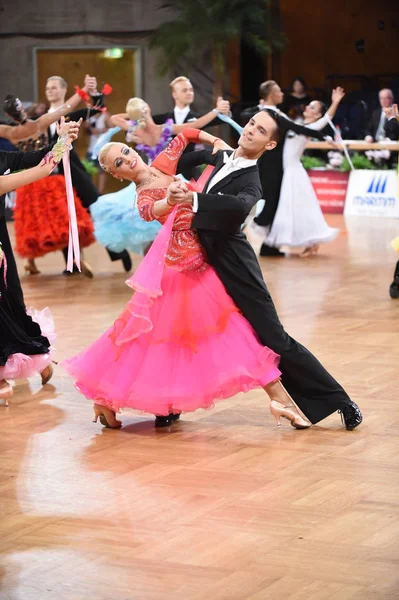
380 127
297 99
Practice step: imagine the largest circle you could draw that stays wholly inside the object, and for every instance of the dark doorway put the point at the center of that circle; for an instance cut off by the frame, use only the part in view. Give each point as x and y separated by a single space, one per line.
253 70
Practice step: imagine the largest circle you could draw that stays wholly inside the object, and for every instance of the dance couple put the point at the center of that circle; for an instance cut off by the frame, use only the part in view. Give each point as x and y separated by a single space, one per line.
291 216
201 325
114 224
25 340
299 221
41 214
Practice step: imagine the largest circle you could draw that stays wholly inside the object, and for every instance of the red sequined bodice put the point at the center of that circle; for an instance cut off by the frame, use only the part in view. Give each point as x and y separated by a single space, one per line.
185 251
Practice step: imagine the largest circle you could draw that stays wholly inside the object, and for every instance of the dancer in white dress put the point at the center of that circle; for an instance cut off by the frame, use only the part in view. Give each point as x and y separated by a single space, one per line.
299 221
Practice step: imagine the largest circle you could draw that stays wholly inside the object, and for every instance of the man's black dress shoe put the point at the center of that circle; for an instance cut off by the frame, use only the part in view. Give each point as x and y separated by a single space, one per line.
74 272
394 287
394 290
167 421
351 415
270 251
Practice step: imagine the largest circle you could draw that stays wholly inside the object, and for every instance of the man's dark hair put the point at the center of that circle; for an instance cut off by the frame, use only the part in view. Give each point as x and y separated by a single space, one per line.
276 118
265 89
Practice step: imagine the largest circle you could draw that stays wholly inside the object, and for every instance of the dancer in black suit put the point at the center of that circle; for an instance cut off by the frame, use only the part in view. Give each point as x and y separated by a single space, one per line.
230 193
183 96
271 163
380 125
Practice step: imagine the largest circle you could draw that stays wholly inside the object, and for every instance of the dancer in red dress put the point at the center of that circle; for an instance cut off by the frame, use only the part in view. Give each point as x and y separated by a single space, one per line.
41 214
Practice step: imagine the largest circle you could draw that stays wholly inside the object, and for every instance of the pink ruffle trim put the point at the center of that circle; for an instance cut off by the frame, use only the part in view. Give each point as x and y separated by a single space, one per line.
21 366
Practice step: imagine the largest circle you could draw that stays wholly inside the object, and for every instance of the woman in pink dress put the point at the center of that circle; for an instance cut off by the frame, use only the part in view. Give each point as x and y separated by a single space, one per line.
180 343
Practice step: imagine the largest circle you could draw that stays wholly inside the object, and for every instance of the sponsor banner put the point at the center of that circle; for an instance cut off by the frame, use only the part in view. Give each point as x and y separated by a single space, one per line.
373 194
330 188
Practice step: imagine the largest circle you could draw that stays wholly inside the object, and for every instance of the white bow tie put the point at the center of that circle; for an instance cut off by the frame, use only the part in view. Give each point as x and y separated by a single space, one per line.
229 161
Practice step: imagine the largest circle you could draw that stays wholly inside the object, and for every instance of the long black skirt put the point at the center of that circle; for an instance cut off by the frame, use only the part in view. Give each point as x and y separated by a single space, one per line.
18 332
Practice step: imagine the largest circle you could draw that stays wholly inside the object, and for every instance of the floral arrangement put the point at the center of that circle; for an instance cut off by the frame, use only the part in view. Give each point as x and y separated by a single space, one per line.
379 157
372 159
360 161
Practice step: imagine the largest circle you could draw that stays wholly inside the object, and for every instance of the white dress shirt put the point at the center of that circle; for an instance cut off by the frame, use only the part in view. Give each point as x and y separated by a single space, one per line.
380 133
181 114
231 165
53 126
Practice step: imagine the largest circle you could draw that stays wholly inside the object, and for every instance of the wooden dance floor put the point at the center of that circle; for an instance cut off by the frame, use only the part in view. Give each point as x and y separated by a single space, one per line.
226 506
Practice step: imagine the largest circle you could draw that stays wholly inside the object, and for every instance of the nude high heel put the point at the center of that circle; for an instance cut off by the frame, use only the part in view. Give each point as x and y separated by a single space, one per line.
310 251
106 416
47 374
6 392
87 271
290 413
31 268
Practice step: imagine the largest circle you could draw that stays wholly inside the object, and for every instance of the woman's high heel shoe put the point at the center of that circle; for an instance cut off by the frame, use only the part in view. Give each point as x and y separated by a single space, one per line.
47 374
6 392
106 416
310 251
31 268
87 271
291 413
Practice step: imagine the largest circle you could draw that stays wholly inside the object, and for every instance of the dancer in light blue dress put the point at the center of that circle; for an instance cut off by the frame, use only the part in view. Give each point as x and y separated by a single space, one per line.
118 225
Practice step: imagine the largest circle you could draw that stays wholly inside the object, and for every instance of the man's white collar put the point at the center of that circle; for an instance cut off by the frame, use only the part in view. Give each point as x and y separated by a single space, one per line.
241 161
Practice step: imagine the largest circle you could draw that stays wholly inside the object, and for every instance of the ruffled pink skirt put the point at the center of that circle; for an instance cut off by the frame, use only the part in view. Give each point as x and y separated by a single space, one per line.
22 366
197 348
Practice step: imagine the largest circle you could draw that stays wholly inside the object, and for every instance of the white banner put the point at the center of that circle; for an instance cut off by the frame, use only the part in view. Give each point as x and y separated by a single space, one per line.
372 194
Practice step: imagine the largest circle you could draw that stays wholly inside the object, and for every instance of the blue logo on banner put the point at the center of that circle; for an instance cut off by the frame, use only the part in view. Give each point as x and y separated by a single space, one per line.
376 195
378 184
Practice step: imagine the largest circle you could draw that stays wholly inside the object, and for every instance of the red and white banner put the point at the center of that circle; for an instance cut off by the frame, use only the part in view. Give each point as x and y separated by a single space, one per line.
330 188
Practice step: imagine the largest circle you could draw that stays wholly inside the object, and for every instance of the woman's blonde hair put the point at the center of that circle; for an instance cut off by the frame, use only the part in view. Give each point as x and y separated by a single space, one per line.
102 156
135 109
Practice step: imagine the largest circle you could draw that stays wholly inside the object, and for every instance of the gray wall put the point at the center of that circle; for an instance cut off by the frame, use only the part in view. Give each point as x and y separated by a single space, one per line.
59 23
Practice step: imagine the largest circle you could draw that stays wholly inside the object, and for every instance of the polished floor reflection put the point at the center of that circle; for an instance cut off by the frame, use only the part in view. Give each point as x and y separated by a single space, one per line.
226 506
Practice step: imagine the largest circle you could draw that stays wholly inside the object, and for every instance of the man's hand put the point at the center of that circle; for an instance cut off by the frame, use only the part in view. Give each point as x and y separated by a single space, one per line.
71 129
369 139
391 112
90 85
337 95
223 106
178 193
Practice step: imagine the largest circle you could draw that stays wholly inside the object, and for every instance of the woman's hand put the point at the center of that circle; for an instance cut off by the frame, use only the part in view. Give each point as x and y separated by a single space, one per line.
71 129
177 192
90 85
391 112
337 95
220 145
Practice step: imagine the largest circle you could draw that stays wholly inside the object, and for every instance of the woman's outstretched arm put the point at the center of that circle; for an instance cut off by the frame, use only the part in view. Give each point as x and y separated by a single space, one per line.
68 132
